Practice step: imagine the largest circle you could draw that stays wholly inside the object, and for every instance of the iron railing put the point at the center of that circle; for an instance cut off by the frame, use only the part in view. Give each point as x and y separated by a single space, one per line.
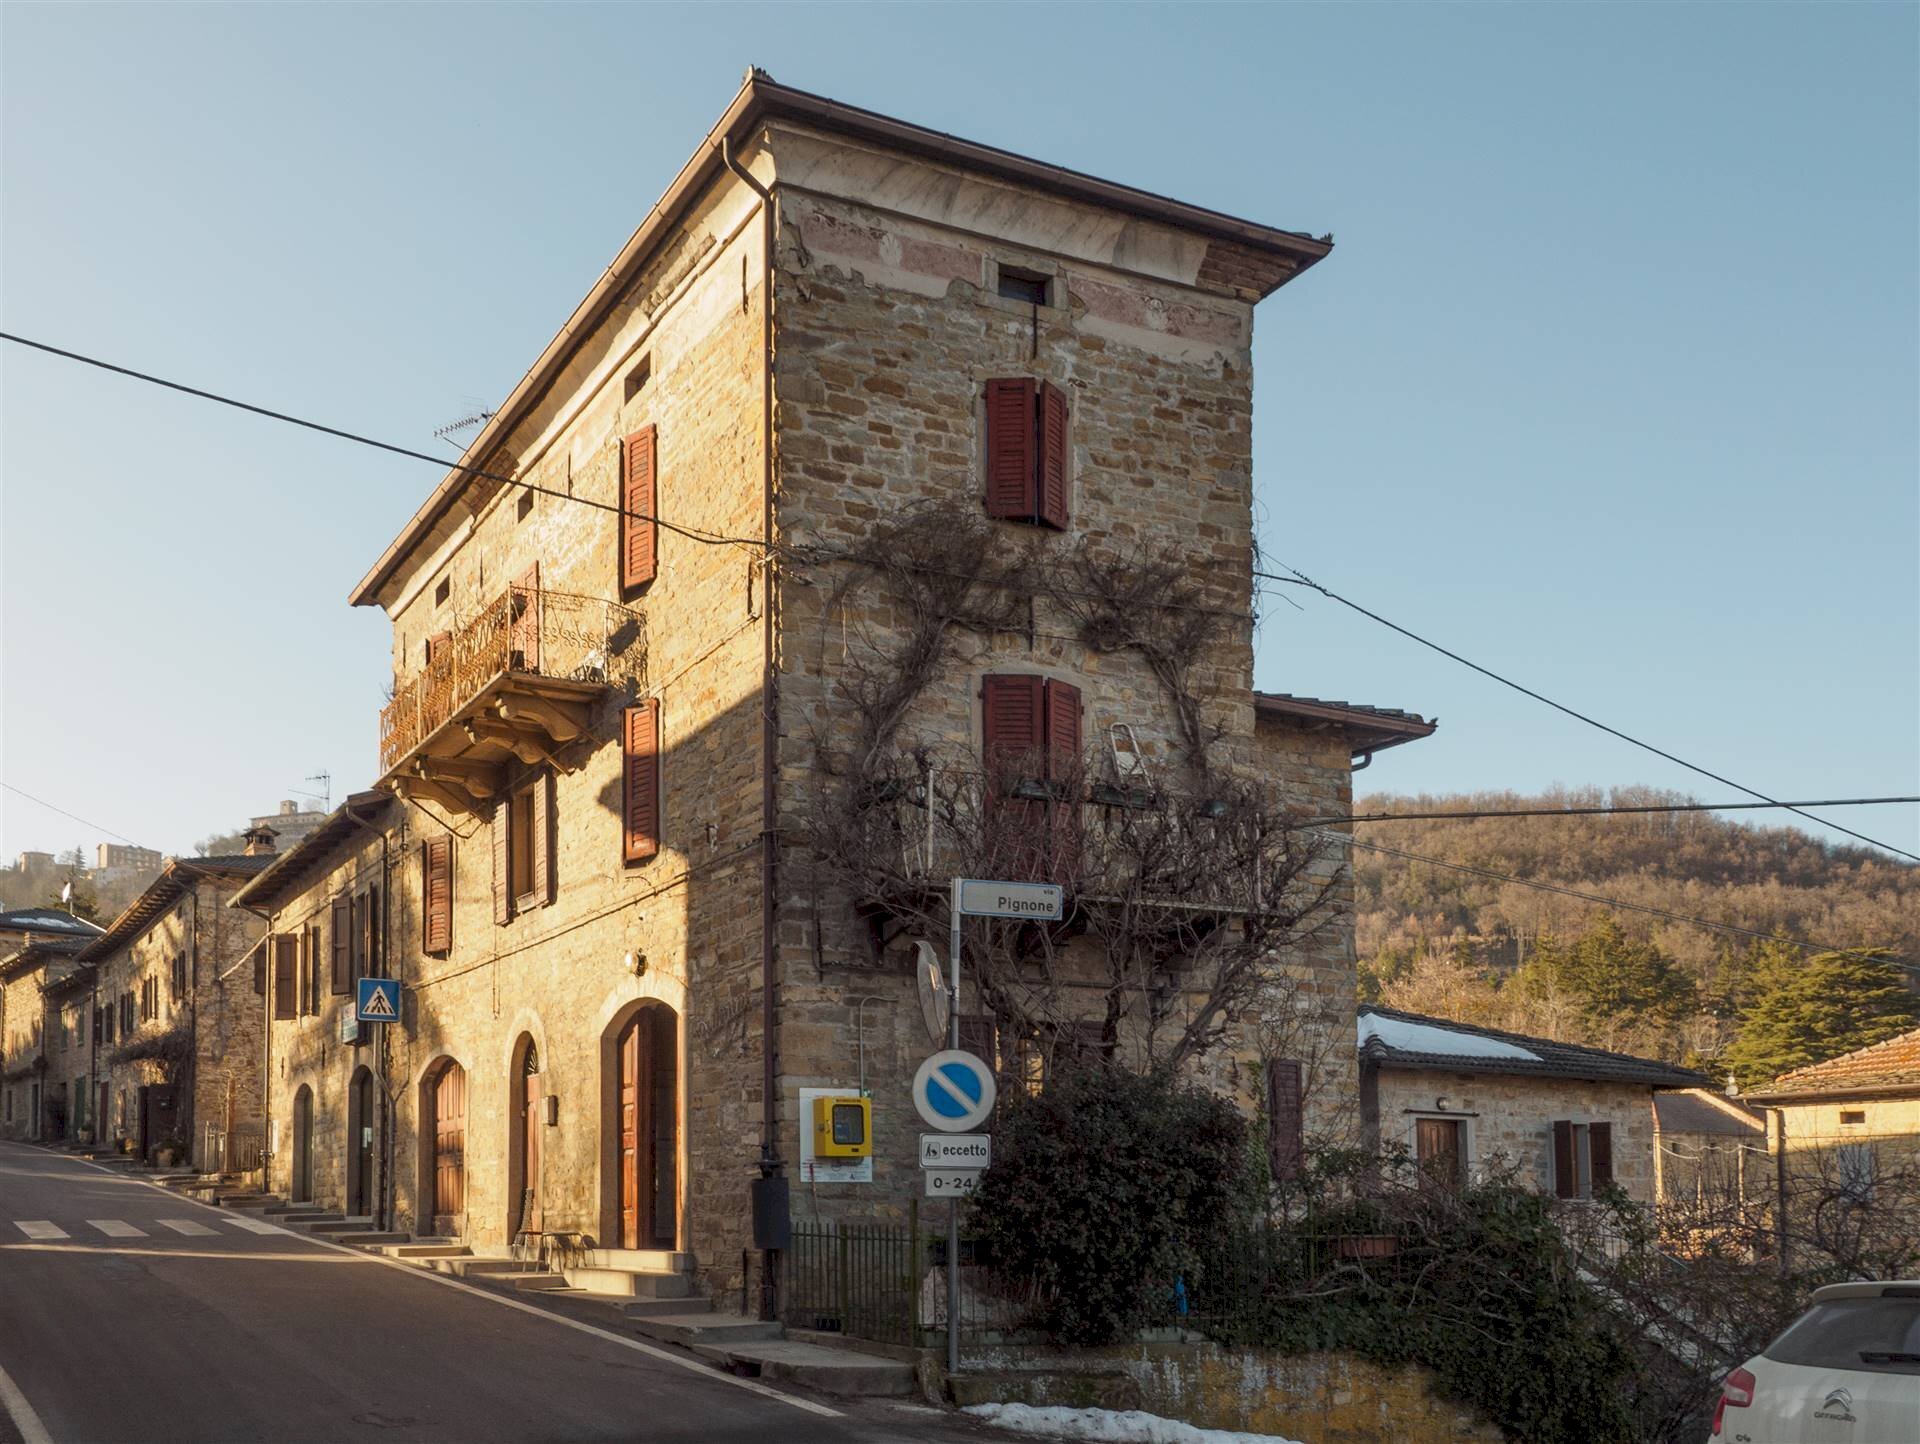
231 1150
523 630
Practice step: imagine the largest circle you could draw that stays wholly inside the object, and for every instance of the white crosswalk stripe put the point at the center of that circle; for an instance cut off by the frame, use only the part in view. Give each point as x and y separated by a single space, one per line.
40 1228
256 1225
117 1228
186 1226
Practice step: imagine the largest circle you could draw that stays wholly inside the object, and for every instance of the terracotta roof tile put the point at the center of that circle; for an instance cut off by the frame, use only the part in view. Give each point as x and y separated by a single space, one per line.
1892 1064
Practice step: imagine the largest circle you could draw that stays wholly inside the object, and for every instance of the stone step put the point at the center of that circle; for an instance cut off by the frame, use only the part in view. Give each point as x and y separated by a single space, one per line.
277 1210
421 1249
620 1307
534 1283
695 1329
633 1260
351 1224
481 1267
307 1222
632 1282
830 1371
360 1240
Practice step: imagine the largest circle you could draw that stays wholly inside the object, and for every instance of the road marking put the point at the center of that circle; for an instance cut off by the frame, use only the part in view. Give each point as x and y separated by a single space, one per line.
32 1431
40 1228
115 1228
186 1226
256 1225
692 1366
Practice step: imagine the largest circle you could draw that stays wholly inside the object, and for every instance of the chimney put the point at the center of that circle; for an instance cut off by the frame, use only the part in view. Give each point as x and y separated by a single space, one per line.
288 807
259 839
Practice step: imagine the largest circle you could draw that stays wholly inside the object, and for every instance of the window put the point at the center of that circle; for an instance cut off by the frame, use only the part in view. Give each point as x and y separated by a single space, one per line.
436 894
638 378
640 802
179 976
523 508
522 848
1286 1139
1582 1158
1875 1335
443 591
1018 285
1030 746
1858 1167
1027 449
1440 1151
1850 1117
285 967
340 945
639 503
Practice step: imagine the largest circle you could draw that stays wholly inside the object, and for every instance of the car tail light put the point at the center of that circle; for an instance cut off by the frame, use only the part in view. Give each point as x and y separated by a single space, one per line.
1736 1393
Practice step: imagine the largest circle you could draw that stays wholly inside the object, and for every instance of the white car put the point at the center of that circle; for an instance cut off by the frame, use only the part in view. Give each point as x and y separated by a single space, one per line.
1848 1369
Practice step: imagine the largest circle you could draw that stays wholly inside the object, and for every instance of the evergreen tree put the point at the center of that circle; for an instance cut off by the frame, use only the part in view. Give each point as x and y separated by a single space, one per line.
84 904
1831 1004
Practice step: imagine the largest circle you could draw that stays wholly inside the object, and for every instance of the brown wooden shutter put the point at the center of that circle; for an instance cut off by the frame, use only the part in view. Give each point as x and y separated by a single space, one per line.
639 498
1010 449
1600 1154
1063 730
340 939
1012 719
1053 456
502 878
525 645
439 645
1566 1179
357 948
542 839
284 961
260 973
1286 1139
436 888
303 971
640 745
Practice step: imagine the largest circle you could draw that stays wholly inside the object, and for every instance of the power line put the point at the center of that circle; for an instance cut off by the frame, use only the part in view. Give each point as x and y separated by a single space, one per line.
64 813
1300 578
1487 872
692 534
1604 811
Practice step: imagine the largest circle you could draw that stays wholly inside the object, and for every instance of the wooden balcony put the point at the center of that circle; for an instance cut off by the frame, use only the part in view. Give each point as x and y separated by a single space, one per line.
515 683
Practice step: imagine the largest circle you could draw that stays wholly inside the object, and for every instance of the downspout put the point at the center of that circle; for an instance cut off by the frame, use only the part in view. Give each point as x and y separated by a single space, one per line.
384 1184
192 1071
771 1231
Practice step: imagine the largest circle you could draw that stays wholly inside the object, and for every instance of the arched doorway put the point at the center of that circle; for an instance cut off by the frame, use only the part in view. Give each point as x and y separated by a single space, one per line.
646 1063
446 1111
523 1143
360 1193
302 1184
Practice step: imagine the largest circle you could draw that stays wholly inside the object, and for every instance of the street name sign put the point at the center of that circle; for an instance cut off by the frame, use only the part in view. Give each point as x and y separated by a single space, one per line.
953 1091
956 1150
979 898
378 1001
951 1183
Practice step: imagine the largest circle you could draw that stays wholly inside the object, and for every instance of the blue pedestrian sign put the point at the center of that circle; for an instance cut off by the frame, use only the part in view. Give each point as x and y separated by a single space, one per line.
953 1091
379 1001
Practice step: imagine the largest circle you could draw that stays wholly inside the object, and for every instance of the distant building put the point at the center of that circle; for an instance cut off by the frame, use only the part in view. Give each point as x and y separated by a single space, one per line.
37 1062
291 825
34 862
1708 1148
124 856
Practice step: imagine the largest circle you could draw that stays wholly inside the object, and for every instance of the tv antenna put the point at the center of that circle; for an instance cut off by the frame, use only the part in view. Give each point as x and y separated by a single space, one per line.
325 795
474 419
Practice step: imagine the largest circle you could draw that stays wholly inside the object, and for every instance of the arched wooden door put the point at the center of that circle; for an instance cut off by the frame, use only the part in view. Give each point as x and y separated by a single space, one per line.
449 1103
360 1145
647 1057
303 1146
529 1123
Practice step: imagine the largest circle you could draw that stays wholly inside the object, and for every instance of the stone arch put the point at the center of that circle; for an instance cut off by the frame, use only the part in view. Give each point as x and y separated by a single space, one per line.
656 1031
526 1087
443 1087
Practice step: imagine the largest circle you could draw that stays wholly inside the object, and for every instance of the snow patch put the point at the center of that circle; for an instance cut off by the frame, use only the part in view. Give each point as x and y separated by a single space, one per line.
1110 1426
1407 1037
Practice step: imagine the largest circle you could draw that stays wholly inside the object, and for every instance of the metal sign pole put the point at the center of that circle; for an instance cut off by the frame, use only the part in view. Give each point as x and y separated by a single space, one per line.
953 1204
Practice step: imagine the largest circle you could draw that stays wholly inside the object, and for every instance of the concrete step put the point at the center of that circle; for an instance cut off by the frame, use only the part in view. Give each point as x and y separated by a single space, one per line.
536 1282
632 1282
360 1240
694 1329
307 1222
350 1224
420 1248
813 1366
277 1210
633 1260
481 1267
620 1307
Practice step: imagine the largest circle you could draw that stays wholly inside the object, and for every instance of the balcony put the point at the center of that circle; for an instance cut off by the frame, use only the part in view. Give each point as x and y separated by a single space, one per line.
514 683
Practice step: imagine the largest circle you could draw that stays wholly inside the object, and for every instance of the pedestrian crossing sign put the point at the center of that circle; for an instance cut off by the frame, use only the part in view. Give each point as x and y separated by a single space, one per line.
379 1001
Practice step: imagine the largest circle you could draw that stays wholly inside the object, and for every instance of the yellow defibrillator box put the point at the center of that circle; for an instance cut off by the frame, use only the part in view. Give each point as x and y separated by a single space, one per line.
843 1127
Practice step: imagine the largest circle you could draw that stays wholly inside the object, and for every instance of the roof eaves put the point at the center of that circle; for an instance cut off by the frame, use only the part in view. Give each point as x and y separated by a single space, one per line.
288 870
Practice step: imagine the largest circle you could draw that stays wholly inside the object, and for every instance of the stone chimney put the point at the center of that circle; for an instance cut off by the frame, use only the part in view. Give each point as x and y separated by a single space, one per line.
259 839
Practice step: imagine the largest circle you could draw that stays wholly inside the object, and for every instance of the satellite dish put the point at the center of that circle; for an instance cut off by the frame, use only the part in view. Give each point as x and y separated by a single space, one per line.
936 1007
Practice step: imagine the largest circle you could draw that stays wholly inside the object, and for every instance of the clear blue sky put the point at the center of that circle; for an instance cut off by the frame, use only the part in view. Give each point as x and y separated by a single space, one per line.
1610 383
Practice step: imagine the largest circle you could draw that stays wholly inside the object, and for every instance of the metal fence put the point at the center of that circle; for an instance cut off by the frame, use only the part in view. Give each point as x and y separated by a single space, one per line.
234 1150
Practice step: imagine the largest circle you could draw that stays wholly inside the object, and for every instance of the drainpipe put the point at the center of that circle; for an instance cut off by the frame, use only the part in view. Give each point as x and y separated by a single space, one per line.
383 1184
191 1078
770 1212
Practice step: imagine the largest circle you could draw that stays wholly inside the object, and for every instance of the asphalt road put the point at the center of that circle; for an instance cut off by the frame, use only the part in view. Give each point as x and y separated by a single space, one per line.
130 1314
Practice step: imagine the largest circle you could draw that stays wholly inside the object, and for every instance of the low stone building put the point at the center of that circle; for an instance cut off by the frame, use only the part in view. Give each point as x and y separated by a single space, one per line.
44 1050
1709 1149
1458 1101
177 1017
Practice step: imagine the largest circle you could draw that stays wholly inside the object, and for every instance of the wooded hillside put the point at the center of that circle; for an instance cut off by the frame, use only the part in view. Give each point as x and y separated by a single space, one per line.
1454 944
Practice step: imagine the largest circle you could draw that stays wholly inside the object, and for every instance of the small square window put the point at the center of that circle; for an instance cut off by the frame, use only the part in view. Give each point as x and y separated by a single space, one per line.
638 378
443 591
1018 285
524 509
1852 1116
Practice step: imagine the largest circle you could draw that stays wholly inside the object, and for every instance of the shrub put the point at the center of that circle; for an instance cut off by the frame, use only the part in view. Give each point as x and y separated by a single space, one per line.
1105 1190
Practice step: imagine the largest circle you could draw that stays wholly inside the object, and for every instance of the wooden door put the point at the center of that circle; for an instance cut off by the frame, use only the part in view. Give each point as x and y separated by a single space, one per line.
1436 1145
649 1130
530 1216
630 1134
450 1151
360 1146
303 1146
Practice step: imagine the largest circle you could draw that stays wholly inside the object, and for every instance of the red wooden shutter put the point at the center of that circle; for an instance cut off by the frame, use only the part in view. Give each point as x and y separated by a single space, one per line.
502 882
439 645
1600 1154
639 497
1286 1140
1566 1180
340 939
284 959
374 931
1010 448
1063 764
1063 730
640 745
542 840
525 645
1013 721
436 887
1053 456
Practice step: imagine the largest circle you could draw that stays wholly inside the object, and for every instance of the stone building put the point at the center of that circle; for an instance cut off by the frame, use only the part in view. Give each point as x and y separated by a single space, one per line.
177 1018
883 513
1708 1149
42 1055
1457 1101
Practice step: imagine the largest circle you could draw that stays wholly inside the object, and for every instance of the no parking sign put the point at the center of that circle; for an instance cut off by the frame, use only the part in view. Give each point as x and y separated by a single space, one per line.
953 1091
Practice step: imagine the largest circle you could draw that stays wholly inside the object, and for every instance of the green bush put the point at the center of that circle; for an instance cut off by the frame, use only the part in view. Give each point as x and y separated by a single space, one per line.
1106 1189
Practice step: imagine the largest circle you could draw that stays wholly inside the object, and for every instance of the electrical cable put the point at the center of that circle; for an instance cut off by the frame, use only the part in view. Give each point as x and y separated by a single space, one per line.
1603 811
1300 578
64 813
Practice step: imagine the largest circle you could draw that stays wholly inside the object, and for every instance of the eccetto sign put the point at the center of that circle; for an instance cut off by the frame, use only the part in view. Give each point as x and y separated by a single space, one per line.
956 1150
